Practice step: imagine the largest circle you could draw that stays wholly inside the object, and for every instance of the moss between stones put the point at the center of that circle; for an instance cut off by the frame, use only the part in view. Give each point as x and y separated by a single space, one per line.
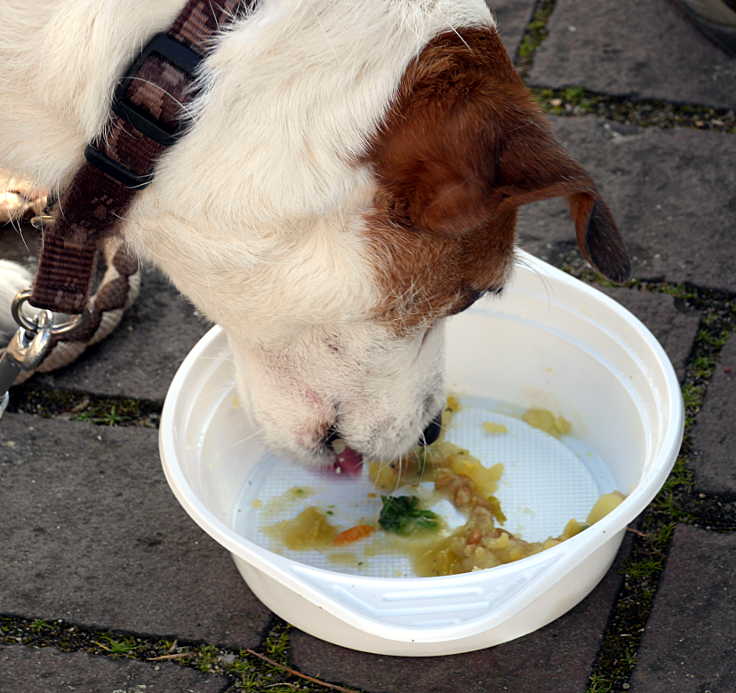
245 671
534 34
82 406
277 642
578 101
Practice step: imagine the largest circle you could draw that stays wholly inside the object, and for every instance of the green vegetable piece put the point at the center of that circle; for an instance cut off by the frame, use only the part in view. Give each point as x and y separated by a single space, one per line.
402 515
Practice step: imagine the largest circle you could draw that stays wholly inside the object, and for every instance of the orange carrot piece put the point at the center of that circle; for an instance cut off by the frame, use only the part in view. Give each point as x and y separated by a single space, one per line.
353 534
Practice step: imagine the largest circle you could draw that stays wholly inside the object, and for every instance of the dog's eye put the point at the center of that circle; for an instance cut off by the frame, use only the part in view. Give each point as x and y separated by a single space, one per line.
472 295
468 299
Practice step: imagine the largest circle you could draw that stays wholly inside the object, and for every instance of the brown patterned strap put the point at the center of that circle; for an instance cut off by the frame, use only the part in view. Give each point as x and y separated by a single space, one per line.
145 121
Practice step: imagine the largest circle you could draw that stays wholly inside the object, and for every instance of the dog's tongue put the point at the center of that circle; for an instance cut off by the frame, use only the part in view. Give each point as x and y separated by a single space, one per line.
348 462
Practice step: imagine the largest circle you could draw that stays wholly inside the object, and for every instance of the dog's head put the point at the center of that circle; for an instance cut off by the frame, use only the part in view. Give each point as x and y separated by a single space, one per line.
336 321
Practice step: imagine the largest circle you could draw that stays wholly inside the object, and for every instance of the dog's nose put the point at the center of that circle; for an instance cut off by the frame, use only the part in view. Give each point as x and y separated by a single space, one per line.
432 432
331 436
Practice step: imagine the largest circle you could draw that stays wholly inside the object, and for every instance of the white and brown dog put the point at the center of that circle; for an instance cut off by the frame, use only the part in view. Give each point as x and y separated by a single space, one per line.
351 178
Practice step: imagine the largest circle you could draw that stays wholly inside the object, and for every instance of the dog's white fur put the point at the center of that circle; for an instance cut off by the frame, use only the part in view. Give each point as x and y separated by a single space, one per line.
257 213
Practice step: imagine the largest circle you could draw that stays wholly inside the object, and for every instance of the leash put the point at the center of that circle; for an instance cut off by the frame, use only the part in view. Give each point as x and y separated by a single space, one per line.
145 120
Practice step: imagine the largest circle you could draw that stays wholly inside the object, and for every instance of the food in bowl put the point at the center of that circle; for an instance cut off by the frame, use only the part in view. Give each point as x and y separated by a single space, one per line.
493 428
310 529
479 543
403 515
546 421
469 486
405 527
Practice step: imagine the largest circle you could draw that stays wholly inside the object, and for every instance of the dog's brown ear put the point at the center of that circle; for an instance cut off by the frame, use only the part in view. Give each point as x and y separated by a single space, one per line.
599 241
465 145
534 167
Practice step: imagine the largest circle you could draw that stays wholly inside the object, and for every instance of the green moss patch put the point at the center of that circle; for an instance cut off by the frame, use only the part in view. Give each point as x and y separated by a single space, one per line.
535 33
578 101
247 670
82 406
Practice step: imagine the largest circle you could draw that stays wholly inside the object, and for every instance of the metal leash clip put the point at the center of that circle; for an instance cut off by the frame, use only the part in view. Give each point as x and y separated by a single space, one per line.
29 344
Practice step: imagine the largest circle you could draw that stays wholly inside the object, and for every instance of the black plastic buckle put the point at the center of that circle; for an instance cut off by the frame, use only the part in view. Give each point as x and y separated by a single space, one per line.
181 57
115 169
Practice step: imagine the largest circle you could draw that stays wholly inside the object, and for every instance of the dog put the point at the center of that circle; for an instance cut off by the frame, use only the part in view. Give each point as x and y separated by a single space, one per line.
350 179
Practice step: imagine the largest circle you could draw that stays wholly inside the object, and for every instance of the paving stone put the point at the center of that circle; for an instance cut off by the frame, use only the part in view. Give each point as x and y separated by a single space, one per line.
688 646
512 17
139 359
555 658
672 192
93 535
30 670
633 48
714 435
675 330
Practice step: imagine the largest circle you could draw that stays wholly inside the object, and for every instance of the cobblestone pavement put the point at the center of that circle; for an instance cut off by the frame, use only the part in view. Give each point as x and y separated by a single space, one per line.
108 586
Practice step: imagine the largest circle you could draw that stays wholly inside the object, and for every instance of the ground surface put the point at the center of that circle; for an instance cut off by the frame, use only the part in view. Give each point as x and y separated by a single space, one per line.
106 585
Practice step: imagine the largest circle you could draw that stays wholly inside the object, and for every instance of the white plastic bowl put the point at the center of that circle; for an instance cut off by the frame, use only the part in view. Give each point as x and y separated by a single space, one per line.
551 341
